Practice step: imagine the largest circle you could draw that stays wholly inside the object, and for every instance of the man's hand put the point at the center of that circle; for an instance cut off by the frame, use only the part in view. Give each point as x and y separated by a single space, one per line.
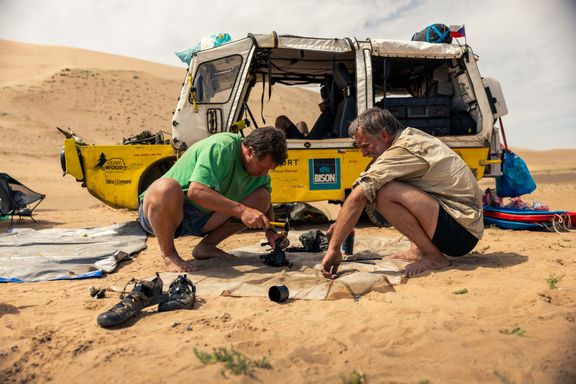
253 218
273 236
330 264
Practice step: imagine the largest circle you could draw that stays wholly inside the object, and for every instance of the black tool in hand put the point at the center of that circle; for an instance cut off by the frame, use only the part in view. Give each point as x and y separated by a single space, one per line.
277 257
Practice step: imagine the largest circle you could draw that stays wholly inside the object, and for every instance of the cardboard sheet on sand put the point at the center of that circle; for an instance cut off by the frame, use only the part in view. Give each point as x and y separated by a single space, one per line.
59 254
248 276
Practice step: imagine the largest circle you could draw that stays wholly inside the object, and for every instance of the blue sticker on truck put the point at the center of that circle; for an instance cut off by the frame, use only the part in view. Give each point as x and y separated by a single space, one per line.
324 173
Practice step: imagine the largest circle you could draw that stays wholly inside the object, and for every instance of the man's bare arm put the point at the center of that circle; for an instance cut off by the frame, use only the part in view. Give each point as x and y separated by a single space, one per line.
347 219
214 201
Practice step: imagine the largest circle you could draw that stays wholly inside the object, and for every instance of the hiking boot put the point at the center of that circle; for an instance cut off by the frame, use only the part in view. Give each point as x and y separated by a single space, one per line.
182 295
144 294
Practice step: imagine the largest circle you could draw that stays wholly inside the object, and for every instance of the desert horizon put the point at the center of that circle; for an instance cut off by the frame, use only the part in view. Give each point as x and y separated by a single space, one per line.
510 325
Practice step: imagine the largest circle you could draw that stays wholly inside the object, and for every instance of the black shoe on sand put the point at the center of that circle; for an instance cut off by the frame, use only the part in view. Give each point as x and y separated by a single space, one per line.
182 295
144 294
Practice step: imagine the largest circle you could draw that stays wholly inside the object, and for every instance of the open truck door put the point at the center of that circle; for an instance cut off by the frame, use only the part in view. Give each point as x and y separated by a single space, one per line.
209 97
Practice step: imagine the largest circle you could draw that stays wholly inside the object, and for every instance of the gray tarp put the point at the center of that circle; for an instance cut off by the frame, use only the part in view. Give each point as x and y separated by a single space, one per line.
59 253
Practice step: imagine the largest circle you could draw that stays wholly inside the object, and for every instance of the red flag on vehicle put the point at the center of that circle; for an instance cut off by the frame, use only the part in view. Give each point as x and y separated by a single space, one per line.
457 31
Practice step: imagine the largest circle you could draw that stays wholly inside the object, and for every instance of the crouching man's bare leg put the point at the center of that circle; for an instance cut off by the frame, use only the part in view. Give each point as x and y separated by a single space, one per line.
163 204
218 227
414 213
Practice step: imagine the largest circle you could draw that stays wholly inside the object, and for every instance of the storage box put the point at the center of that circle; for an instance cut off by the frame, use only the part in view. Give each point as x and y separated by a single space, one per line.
418 107
434 127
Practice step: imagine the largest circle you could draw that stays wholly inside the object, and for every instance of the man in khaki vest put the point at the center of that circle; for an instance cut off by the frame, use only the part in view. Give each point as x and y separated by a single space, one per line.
417 184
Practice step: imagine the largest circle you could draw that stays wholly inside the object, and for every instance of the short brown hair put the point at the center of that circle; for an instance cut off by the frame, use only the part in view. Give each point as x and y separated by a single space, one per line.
268 141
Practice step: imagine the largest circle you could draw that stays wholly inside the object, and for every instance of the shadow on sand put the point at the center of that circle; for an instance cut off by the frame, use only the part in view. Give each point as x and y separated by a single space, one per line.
488 260
27 223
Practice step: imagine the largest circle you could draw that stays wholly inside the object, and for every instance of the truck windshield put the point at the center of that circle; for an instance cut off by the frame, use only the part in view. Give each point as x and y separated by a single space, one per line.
215 79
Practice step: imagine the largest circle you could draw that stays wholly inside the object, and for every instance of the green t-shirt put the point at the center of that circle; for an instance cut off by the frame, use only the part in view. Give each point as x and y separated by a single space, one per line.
215 163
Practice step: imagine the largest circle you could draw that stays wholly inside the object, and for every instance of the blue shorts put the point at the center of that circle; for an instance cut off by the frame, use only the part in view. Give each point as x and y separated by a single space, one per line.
191 225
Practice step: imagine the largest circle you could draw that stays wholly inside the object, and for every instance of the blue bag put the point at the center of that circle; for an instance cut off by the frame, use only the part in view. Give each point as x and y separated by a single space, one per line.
516 179
205 43
434 33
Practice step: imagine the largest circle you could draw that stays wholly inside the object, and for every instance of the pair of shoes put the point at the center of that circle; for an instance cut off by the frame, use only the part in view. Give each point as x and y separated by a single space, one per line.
181 295
144 294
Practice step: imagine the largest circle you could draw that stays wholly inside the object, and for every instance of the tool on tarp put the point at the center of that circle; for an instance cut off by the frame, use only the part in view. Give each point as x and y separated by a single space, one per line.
276 257
362 260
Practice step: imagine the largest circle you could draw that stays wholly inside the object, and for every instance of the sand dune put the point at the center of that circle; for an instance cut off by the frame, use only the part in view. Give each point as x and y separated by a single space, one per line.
551 161
21 62
510 326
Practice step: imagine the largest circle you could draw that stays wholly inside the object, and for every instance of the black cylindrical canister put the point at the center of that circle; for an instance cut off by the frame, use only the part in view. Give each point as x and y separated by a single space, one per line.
348 246
278 293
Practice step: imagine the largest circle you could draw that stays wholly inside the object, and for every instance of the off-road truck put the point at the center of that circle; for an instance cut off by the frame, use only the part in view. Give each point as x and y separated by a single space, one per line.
434 87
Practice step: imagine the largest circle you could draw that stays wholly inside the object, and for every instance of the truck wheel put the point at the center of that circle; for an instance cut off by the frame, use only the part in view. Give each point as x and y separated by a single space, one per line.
154 172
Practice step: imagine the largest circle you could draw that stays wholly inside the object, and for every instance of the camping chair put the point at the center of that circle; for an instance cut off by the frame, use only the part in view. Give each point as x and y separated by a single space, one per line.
15 198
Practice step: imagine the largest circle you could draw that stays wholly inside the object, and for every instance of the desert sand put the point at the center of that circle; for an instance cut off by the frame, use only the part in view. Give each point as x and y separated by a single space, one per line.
510 326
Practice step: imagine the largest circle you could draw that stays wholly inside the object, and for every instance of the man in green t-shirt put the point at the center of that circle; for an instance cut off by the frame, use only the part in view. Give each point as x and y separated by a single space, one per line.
216 179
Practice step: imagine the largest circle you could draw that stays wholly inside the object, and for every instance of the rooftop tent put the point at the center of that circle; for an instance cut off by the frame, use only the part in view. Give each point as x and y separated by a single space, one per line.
15 198
415 49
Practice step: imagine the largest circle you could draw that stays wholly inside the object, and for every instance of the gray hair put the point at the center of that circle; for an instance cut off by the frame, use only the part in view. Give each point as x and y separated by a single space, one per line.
375 120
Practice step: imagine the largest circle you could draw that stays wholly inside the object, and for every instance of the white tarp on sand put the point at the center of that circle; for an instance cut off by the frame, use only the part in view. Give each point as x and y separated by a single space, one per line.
248 276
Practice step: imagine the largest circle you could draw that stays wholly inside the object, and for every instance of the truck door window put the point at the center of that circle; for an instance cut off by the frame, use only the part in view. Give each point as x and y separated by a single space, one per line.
214 80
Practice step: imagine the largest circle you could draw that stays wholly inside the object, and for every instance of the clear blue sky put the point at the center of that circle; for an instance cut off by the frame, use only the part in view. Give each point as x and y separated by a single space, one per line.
528 45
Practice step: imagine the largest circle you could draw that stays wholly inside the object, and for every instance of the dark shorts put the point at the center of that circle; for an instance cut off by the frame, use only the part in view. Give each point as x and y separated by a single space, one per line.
451 238
192 223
